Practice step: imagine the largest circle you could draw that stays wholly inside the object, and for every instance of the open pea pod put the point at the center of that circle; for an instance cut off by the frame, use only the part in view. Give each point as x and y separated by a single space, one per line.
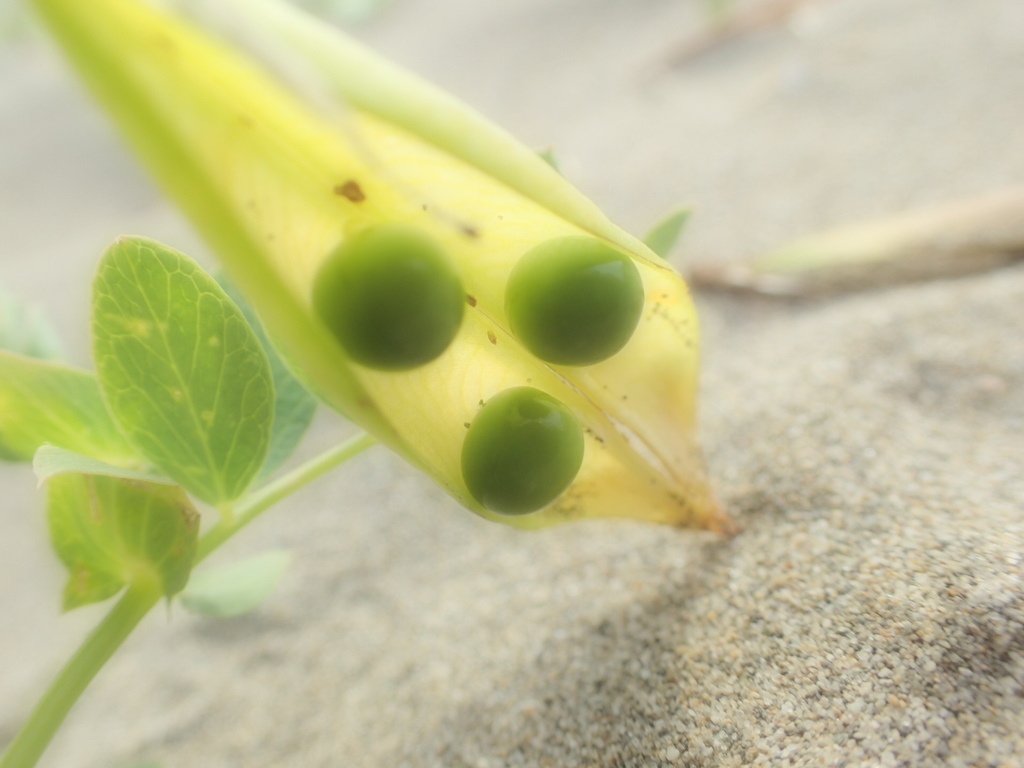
286 143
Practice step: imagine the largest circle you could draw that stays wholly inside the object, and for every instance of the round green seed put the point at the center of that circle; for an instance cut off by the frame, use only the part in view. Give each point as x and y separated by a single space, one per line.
521 452
574 300
391 297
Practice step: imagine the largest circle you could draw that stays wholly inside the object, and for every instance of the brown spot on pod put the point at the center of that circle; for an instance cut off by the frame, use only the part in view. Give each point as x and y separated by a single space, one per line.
351 191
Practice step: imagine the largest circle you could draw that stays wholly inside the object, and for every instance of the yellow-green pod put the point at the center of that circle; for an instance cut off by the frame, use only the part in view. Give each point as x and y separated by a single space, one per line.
283 141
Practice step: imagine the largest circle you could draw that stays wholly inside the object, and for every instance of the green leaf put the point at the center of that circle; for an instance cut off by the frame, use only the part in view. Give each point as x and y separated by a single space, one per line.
548 156
238 588
25 329
182 372
663 236
43 402
50 461
345 10
109 531
294 405
719 10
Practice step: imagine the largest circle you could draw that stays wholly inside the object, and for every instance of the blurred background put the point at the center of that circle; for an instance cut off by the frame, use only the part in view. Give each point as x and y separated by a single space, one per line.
412 634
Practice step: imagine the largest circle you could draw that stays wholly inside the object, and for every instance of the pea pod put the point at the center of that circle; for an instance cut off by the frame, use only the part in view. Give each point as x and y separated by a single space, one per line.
285 141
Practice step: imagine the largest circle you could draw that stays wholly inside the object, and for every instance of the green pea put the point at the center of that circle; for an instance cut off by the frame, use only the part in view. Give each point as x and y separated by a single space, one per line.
521 452
391 297
574 300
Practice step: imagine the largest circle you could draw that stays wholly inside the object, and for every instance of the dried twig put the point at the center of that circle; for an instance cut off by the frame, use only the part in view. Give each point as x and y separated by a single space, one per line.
732 26
945 241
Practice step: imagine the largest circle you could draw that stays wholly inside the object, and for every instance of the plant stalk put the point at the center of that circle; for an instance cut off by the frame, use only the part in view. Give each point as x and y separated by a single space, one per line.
78 672
250 507
48 714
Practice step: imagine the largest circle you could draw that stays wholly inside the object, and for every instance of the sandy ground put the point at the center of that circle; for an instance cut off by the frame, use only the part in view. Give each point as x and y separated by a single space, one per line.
871 613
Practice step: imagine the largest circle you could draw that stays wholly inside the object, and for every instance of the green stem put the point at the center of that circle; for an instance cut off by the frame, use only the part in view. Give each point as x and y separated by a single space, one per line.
134 604
77 673
250 507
